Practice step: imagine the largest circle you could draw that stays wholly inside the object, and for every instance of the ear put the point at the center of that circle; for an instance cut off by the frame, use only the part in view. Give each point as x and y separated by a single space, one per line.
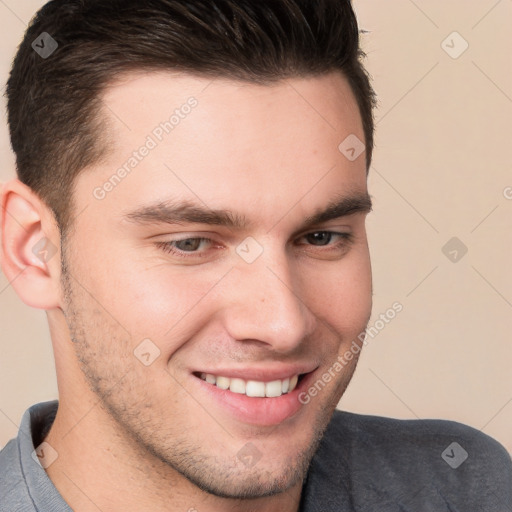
30 246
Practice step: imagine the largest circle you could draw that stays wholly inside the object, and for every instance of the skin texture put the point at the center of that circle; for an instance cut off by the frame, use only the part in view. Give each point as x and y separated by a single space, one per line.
134 437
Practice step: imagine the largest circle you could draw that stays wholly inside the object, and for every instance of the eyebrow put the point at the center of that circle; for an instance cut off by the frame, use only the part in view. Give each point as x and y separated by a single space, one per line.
188 212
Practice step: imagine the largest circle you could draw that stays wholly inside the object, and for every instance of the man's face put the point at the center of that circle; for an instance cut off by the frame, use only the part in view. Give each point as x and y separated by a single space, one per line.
208 257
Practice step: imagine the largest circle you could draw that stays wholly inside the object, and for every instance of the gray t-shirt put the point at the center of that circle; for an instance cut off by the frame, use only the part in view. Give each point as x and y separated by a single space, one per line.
363 464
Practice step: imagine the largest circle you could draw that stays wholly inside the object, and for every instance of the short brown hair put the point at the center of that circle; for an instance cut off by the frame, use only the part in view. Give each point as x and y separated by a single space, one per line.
54 102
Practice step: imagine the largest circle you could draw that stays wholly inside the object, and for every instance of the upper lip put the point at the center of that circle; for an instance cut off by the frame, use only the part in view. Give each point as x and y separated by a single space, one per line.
277 372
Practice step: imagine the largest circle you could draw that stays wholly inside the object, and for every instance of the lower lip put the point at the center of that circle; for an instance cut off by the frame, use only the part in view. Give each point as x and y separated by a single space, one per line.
256 410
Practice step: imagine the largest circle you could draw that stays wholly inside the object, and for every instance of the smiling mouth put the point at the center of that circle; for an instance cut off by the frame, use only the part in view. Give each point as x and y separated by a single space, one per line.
252 388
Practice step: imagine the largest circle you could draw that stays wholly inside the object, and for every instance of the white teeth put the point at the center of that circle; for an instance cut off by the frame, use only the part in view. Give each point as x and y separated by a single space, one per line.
293 382
273 388
253 388
223 382
237 386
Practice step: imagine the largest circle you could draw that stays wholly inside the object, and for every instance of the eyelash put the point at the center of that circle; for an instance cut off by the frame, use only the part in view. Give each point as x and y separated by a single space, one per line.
169 247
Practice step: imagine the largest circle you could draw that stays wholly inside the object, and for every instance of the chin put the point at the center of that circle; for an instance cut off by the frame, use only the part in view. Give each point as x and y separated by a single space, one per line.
250 483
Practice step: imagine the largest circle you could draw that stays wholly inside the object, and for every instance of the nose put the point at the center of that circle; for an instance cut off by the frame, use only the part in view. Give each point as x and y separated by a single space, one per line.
264 304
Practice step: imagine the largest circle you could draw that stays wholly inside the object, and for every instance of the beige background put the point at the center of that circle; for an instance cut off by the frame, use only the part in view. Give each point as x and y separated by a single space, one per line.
441 170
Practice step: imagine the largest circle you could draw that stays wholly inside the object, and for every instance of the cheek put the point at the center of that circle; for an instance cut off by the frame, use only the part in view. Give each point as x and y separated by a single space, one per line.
156 301
359 289
342 294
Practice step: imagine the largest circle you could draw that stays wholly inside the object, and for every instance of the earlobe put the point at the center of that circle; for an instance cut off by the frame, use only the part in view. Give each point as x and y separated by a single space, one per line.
29 255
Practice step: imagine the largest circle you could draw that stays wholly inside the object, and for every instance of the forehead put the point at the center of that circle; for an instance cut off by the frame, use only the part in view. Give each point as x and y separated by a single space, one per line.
226 143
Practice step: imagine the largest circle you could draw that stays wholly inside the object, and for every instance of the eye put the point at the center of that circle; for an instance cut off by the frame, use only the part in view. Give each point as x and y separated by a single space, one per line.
186 245
327 243
324 238
189 244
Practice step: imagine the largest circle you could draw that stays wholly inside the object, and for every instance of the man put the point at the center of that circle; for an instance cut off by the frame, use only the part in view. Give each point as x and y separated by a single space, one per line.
190 213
